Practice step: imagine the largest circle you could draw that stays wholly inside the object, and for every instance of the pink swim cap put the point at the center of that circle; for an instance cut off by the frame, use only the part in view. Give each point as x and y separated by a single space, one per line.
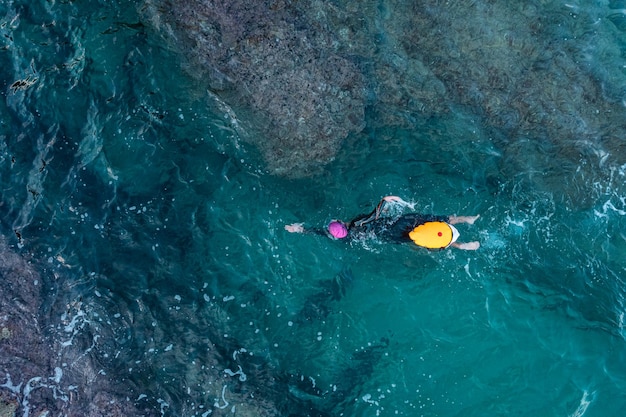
337 229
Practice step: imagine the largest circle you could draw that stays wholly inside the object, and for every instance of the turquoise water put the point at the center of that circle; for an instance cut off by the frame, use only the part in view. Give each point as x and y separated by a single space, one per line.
160 237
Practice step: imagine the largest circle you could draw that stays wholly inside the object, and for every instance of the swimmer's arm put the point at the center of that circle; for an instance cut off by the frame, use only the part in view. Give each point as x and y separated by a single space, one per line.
295 228
363 219
388 199
366 218
299 228
375 214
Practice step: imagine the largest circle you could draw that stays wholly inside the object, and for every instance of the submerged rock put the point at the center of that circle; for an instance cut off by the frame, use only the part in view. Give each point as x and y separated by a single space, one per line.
35 377
296 98
542 78
77 363
531 72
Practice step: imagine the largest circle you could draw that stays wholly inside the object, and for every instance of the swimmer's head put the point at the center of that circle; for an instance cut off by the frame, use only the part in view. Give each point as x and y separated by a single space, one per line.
337 229
434 235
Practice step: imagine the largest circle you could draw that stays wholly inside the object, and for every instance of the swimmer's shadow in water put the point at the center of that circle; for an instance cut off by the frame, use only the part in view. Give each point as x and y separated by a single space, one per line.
318 306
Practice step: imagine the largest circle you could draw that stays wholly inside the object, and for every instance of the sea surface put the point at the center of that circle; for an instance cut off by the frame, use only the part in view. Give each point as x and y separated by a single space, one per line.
159 236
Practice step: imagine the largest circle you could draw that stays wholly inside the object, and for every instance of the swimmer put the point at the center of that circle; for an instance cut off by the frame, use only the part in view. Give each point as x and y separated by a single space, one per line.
425 230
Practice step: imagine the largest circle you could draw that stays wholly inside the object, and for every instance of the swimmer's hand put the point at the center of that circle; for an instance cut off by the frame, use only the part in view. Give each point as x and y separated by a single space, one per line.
391 198
295 228
398 200
467 246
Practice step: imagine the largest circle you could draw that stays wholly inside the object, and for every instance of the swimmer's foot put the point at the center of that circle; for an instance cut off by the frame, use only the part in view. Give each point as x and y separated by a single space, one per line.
467 246
463 219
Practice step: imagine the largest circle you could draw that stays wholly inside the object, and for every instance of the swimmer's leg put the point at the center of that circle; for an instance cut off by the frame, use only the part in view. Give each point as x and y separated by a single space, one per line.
466 246
463 219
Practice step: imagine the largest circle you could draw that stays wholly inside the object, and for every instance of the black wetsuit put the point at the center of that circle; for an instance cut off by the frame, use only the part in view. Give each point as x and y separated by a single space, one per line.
390 229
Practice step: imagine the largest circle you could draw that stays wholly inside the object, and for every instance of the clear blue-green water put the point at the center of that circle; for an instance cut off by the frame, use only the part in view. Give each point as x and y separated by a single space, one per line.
161 239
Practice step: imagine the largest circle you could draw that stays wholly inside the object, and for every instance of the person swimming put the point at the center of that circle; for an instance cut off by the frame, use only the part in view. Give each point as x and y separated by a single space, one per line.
425 230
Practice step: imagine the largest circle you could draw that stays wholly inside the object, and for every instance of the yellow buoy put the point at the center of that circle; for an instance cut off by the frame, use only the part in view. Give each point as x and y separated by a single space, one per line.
433 235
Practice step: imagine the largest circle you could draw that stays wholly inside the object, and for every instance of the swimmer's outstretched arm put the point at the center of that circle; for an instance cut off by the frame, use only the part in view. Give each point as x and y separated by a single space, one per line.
299 228
295 228
463 219
466 246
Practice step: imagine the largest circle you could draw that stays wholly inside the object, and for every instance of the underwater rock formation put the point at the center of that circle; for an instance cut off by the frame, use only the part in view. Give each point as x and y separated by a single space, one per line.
297 99
306 73
37 378
68 364
527 71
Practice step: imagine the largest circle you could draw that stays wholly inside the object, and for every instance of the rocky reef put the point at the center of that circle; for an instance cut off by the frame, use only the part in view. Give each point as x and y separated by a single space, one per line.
66 356
297 98
530 73
42 374
307 75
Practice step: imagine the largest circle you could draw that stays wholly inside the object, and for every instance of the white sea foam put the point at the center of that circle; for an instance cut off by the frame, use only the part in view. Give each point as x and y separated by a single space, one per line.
242 376
217 402
582 407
